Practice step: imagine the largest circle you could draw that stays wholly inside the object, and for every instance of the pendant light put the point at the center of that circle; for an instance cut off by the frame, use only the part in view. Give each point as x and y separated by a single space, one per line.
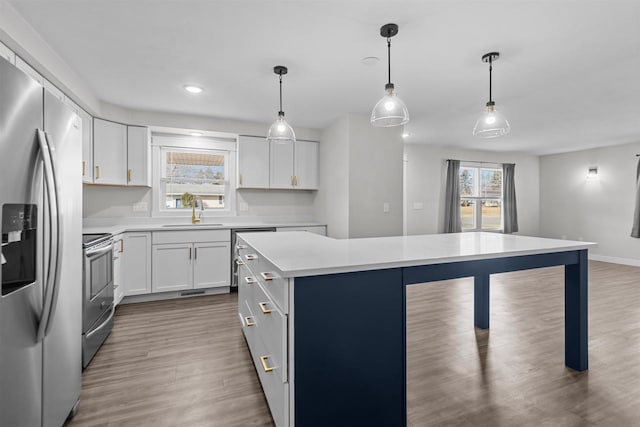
491 124
280 130
390 110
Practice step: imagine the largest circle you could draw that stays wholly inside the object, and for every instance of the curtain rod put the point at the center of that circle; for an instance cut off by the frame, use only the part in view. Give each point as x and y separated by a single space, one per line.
486 163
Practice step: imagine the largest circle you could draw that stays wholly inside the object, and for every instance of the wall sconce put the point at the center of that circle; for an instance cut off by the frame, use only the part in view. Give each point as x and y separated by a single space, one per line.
593 173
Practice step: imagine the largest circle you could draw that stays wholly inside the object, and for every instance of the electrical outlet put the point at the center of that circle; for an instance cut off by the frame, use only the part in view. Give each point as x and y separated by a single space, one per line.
244 207
385 207
140 207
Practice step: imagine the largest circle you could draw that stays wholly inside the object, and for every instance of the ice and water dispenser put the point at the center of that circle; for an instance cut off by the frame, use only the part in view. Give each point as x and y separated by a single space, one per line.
19 231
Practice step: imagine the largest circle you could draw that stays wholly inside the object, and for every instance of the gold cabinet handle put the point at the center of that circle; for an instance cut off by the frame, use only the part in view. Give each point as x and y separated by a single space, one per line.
263 307
251 257
292 181
115 258
239 261
115 286
241 246
268 276
263 360
97 172
295 180
248 322
129 175
84 168
240 179
121 245
250 280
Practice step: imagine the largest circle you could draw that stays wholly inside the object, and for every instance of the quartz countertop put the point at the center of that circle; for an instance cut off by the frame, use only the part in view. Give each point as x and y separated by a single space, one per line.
296 254
211 225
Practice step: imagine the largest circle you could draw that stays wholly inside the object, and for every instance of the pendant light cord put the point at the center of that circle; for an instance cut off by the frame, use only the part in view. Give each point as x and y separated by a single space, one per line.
389 58
281 112
490 70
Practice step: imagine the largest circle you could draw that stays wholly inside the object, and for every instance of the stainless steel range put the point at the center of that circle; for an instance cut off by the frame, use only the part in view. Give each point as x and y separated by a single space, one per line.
98 307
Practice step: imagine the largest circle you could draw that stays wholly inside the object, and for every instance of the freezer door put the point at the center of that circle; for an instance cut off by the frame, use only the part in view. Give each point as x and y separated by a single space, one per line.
20 201
63 342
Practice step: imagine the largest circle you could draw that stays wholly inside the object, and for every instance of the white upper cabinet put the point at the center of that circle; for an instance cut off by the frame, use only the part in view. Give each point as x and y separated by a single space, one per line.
7 54
109 152
306 165
281 164
253 162
87 146
139 156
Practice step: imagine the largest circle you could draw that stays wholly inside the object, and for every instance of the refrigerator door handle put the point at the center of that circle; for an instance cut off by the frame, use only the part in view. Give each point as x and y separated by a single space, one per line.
52 277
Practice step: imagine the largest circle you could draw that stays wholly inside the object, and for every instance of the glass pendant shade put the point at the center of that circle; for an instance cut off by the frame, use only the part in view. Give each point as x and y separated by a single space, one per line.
389 111
280 130
491 124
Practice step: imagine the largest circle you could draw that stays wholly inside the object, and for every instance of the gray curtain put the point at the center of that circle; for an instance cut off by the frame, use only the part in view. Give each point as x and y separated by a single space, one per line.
509 198
452 219
635 232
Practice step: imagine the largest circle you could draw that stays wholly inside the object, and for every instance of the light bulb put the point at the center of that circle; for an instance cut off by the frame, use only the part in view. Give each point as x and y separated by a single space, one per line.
389 105
281 127
490 119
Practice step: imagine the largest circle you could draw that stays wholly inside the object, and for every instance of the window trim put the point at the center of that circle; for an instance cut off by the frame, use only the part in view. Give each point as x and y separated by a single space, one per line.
479 199
196 144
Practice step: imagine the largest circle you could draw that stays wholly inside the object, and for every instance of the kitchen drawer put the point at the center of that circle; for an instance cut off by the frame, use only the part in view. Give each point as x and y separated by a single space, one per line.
276 392
249 325
246 284
272 328
274 285
191 236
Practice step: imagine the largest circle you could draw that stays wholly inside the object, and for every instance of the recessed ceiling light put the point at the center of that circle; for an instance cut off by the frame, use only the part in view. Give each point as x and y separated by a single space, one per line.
193 89
405 135
195 133
370 61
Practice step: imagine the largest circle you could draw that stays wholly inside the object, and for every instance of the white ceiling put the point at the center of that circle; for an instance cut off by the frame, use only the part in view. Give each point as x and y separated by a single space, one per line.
568 77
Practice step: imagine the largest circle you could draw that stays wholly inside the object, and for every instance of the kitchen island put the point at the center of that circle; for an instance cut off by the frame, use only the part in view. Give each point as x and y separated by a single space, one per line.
325 319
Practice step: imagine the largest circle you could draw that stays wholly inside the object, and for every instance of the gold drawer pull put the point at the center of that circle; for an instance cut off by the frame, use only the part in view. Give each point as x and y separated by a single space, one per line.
241 246
248 321
268 275
250 280
263 360
239 261
115 258
263 307
84 168
115 286
129 175
97 172
251 257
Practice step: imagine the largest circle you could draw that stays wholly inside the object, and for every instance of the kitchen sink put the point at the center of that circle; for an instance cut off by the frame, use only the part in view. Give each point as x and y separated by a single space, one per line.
193 225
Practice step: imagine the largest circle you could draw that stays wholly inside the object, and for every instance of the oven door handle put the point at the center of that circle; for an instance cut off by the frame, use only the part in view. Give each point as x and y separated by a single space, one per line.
99 251
104 324
55 238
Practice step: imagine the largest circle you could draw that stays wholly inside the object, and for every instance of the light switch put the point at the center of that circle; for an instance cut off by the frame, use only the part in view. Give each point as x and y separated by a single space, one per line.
385 207
417 206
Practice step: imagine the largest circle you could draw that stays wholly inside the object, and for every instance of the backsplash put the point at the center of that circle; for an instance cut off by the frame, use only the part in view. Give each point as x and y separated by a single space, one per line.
120 203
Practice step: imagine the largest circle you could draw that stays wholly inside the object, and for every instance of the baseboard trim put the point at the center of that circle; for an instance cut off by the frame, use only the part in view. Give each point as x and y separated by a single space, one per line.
615 260
172 295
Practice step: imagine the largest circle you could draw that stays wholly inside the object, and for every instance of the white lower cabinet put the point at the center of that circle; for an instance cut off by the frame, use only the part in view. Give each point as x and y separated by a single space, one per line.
172 267
191 260
136 263
263 314
118 289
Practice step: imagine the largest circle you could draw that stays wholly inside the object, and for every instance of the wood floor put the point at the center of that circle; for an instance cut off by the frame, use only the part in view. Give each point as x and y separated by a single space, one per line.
185 362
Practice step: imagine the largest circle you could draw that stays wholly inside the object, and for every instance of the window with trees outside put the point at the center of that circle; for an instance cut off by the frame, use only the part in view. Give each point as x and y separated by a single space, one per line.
190 176
481 197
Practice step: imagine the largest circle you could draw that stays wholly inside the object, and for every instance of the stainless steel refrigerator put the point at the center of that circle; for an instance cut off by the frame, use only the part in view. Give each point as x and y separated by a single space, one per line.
41 276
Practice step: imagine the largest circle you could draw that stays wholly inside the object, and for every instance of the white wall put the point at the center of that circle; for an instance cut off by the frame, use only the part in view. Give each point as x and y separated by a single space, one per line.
598 210
426 168
25 41
375 178
331 203
360 169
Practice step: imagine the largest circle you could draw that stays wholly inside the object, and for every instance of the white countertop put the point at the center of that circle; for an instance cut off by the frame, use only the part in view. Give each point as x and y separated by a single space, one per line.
121 228
297 254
